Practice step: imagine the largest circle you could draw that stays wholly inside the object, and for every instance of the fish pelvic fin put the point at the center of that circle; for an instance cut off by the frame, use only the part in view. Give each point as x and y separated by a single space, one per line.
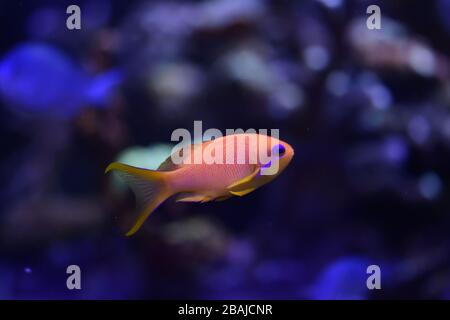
149 187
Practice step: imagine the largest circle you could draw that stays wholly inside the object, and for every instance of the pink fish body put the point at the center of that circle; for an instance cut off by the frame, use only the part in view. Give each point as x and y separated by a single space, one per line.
234 165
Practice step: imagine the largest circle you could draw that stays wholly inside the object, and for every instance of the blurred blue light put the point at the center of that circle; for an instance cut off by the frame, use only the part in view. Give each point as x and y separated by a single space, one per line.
379 95
338 83
46 22
344 278
332 4
430 185
422 60
395 149
316 57
419 129
288 97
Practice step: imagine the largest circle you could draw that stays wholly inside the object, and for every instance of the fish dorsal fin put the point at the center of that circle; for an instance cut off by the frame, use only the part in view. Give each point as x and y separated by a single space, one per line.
245 185
168 165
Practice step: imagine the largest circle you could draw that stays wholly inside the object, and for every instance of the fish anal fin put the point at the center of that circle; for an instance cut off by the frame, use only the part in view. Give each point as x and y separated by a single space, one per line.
223 198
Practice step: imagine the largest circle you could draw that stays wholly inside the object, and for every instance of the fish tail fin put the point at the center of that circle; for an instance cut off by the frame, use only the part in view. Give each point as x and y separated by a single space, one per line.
102 87
149 186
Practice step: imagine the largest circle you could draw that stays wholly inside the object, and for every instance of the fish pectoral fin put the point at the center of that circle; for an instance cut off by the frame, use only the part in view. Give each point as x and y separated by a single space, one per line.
241 193
193 197
245 183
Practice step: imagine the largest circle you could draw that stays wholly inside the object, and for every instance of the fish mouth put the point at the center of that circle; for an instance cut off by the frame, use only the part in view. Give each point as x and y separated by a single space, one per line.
292 153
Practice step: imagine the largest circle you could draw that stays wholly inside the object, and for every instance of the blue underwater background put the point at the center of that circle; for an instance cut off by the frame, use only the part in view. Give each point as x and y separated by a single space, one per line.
367 112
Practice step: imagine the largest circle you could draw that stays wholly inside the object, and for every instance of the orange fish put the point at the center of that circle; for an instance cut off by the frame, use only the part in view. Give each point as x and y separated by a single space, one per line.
234 165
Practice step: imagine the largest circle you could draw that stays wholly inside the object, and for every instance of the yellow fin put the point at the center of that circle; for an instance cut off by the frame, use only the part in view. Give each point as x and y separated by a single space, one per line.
193 197
244 183
149 187
222 198
241 193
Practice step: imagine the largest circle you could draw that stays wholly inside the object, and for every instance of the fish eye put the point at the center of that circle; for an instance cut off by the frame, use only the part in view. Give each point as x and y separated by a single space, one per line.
279 149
